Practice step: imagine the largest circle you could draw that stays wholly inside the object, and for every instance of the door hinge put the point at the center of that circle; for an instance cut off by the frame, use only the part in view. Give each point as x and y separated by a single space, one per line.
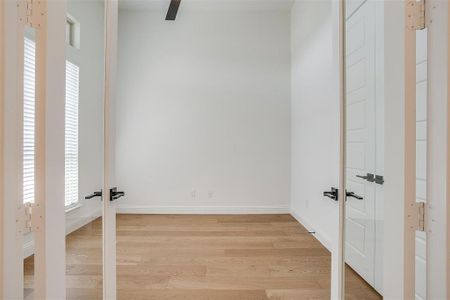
29 219
28 211
420 210
31 12
416 15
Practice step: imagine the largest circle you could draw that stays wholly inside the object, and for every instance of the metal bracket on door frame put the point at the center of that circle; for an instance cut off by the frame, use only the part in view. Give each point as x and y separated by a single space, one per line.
29 218
418 216
416 15
31 12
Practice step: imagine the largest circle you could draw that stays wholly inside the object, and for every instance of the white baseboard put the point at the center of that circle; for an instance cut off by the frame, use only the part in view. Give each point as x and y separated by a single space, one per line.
324 239
123 209
71 226
28 248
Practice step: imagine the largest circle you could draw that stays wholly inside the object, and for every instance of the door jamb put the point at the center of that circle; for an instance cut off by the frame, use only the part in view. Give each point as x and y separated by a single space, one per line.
109 210
2 199
342 149
438 201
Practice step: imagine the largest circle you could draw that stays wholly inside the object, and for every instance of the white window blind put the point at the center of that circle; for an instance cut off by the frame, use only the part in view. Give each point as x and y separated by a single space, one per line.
71 127
29 82
71 133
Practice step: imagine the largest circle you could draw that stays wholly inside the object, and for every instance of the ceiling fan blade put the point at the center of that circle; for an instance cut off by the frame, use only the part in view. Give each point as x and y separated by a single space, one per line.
173 10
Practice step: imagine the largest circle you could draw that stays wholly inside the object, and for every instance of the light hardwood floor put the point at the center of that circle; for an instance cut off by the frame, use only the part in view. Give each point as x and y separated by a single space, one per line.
201 257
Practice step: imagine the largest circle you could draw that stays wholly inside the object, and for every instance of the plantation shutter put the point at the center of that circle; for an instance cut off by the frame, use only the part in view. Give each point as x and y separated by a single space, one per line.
71 133
29 82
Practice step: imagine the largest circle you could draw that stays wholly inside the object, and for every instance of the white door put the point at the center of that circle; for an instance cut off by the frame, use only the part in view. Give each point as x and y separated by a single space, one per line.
73 151
360 225
421 157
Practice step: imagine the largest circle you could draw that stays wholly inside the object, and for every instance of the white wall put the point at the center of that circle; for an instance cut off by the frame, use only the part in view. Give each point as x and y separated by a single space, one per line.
315 119
90 58
203 111
315 122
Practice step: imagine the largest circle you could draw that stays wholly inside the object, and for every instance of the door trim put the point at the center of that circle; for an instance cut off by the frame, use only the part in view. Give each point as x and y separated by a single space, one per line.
448 150
342 149
438 201
49 213
409 161
109 210
2 199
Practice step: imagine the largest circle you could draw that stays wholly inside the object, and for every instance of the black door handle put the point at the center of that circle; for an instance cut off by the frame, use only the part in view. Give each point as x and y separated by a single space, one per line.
333 194
369 177
353 195
95 194
114 194
379 179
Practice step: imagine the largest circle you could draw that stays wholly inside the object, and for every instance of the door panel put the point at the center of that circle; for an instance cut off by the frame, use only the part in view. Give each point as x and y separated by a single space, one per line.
360 145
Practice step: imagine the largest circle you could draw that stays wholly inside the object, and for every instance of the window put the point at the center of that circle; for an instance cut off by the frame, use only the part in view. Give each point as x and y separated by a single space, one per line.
71 127
28 119
71 133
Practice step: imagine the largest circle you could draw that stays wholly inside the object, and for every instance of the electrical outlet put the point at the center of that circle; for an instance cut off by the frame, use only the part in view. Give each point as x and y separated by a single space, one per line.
193 194
210 194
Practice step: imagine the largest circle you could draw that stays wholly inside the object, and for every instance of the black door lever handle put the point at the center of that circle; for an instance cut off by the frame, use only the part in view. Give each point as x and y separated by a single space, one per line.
369 177
333 194
379 179
114 194
353 195
95 194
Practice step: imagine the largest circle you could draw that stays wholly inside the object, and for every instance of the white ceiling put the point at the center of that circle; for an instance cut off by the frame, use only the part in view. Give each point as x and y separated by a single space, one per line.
244 5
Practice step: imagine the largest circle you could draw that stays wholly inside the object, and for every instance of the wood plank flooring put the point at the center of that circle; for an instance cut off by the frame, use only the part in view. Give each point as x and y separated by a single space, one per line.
200 257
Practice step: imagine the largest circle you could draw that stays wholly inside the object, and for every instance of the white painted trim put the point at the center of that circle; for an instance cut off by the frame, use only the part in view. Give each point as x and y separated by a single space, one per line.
394 151
438 203
80 222
12 260
338 267
448 152
409 163
28 249
125 209
324 239
73 207
2 199
109 209
71 226
50 256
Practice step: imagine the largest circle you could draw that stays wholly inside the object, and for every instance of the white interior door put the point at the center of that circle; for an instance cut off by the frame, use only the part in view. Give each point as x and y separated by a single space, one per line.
421 157
361 139
49 76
